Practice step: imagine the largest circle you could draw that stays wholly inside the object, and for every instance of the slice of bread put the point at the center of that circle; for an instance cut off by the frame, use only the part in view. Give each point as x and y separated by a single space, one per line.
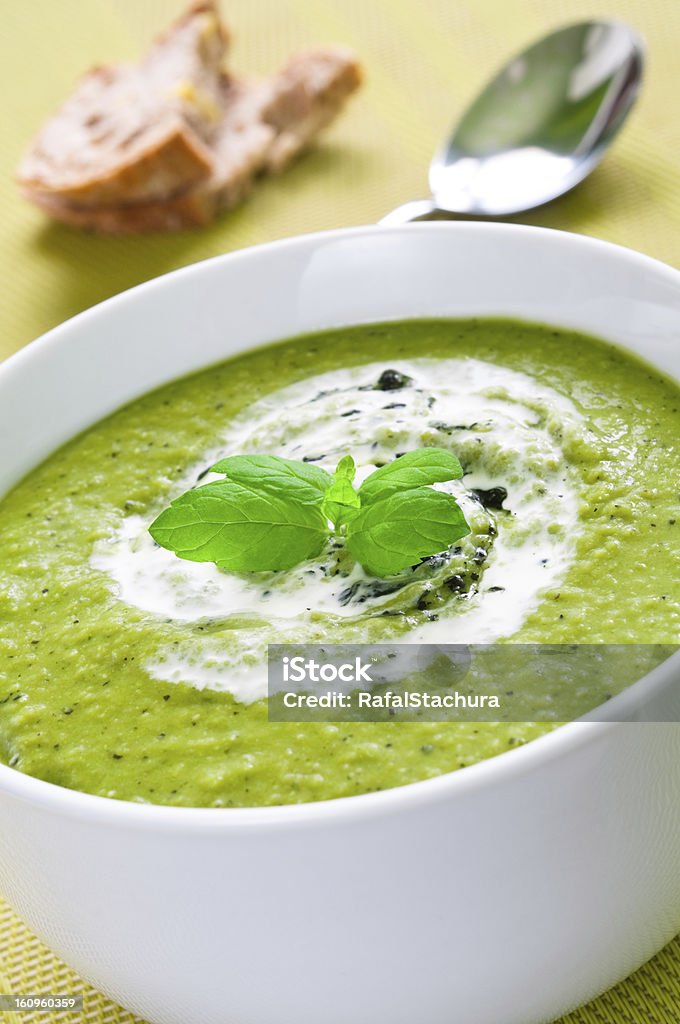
306 95
133 133
263 126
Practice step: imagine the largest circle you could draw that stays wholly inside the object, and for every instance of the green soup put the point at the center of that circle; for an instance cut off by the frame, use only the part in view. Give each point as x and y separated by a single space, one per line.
127 673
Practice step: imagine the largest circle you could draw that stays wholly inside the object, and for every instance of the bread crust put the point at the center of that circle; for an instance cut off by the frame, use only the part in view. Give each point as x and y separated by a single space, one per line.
169 164
191 209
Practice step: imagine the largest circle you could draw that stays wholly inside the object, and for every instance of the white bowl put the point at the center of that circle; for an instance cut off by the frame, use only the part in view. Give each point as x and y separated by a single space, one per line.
508 892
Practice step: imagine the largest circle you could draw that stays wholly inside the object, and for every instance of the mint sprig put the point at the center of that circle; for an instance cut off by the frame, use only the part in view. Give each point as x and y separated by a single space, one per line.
270 513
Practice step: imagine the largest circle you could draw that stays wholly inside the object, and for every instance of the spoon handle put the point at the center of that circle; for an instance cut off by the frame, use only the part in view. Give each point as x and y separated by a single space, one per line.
417 209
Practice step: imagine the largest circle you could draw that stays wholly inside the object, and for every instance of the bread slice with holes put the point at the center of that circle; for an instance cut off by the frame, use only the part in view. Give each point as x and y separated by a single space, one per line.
136 133
262 127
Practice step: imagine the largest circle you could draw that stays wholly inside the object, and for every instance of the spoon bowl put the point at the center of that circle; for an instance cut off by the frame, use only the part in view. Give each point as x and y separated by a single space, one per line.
539 127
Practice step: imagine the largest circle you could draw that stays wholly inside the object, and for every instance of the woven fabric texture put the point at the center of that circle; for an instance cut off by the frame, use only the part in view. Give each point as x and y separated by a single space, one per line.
424 60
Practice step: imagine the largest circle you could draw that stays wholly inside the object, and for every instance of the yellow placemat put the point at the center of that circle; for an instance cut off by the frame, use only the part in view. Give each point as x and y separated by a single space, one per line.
424 60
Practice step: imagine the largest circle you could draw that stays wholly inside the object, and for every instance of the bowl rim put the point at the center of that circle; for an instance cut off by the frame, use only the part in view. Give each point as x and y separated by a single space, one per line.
505 766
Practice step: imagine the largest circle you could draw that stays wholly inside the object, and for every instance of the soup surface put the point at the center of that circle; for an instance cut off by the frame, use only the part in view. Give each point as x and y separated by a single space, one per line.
128 673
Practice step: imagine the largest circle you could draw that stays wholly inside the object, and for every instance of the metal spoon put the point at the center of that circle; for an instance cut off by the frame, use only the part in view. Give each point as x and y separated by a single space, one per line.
536 131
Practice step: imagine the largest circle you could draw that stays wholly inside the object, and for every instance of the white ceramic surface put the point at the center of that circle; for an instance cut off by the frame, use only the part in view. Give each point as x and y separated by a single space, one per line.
506 893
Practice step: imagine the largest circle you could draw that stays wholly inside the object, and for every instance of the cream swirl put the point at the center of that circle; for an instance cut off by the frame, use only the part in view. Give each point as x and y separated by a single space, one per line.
509 432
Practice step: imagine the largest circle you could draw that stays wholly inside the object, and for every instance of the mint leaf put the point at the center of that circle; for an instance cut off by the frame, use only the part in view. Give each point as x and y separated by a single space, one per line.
341 502
240 528
283 477
414 469
391 534
345 469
